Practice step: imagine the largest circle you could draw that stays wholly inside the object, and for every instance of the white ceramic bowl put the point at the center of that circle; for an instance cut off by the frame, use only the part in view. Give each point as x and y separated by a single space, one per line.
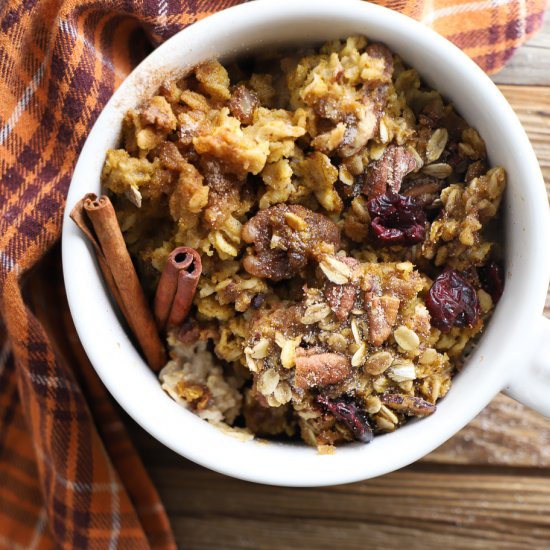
505 350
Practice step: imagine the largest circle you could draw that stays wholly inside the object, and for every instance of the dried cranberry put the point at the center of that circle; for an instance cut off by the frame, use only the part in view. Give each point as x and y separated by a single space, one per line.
452 301
491 277
397 219
347 411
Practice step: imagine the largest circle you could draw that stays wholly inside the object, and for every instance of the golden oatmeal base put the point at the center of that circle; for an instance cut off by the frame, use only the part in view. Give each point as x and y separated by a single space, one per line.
268 169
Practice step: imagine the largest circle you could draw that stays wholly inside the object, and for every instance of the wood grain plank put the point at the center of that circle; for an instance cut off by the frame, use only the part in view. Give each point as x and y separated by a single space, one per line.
532 105
417 509
531 63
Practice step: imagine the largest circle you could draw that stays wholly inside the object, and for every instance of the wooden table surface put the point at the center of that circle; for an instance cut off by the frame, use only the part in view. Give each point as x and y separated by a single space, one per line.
487 488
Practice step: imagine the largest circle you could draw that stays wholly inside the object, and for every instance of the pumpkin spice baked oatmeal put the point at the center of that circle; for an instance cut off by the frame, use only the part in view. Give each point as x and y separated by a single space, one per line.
312 230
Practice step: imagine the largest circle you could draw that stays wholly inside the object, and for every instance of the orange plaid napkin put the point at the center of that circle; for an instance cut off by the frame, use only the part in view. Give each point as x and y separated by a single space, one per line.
69 475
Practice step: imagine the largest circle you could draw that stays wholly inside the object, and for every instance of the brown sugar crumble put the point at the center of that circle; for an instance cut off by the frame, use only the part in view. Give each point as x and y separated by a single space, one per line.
340 208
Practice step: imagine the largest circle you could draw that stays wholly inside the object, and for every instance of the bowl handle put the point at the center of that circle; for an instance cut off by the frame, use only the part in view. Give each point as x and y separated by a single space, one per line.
532 385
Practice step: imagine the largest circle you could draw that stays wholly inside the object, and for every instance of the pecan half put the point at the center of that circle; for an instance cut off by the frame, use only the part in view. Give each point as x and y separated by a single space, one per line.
382 312
387 173
341 298
285 238
412 406
316 368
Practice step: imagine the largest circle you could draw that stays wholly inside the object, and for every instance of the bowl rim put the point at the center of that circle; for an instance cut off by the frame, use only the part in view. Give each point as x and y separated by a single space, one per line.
347 464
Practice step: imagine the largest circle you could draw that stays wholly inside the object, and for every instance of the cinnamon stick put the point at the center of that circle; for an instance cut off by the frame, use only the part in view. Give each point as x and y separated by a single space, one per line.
97 220
177 286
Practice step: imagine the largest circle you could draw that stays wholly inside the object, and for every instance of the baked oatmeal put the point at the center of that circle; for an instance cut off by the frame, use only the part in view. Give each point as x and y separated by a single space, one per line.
332 213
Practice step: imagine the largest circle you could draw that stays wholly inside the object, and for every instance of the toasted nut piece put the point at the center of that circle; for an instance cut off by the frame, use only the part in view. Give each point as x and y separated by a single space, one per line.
318 368
267 259
341 298
402 370
387 173
382 316
378 363
414 406
406 338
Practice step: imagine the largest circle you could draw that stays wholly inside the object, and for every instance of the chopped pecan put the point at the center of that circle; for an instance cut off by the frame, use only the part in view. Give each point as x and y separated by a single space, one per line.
189 194
285 238
169 155
425 185
189 332
329 108
315 368
382 312
225 193
412 406
191 124
359 130
431 114
379 51
387 173
425 190
158 112
243 103
341 298
213 80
